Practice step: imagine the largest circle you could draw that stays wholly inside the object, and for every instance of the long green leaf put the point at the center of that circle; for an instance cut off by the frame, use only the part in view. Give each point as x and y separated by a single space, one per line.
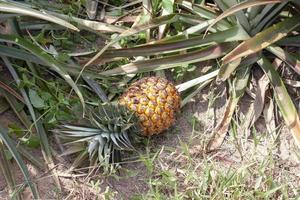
191 83
21 54
268 18
263 39
52 63
151 24
233 34
26 10
241 6
171 61
7 141
201 11
263 14
91 25
83 156
22 90
283 99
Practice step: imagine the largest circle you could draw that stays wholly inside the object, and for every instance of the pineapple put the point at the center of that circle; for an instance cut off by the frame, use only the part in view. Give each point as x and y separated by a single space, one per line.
155 101
148 107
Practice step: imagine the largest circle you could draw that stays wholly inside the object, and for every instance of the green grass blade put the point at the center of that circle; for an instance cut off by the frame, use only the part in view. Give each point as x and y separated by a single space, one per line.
263 39
51 62
26 10
209 53
7 141
283 99
83 156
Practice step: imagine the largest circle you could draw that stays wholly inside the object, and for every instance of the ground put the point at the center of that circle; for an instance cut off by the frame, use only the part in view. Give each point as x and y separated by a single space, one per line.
262 165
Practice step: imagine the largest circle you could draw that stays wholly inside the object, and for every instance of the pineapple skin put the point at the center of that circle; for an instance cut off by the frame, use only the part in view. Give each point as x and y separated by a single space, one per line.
155 101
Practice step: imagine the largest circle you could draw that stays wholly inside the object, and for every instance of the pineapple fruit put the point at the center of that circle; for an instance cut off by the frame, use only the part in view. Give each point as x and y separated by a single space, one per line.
148 107
155 101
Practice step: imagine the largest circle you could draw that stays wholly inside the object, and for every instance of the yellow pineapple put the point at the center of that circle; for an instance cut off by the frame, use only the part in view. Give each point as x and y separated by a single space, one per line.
155 101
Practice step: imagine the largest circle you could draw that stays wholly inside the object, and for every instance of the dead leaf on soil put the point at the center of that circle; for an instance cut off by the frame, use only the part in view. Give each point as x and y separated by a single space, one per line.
220 131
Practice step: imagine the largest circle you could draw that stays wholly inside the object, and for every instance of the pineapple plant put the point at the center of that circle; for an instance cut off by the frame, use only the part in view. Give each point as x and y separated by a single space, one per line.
147 107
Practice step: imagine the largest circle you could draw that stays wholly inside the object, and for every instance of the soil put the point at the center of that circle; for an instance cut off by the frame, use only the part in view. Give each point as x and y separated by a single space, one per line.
131 178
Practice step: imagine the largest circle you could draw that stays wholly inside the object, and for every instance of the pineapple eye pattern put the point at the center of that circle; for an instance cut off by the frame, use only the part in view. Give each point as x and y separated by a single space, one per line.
154 100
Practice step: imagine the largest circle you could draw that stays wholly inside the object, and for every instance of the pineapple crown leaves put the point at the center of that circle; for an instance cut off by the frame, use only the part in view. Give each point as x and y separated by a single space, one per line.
110 129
